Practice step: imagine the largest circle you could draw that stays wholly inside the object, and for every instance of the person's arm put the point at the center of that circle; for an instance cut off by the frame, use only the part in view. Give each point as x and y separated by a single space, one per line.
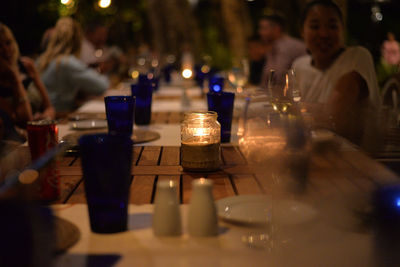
343 104
89 81
23 110
48 109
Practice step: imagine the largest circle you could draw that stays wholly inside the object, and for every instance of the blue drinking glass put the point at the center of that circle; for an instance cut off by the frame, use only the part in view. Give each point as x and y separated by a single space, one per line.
106 167
167 70
216 83
120 113
143 91
222 103
199 75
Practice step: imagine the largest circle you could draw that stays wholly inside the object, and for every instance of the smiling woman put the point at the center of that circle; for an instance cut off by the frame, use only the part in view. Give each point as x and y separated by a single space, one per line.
338 83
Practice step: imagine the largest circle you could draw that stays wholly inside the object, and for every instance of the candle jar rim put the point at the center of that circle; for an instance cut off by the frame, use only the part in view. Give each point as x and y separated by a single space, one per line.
195 114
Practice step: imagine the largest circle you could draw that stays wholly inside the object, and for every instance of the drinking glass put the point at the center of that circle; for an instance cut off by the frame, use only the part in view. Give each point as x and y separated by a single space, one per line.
222 103
106 167
120 113
216 83
284 91
143 91
275 145
238 75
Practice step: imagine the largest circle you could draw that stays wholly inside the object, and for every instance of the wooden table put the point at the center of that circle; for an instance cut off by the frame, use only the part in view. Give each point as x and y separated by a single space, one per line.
330 174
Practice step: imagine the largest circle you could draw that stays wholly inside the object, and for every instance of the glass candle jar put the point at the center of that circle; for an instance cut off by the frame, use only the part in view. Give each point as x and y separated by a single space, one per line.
200 141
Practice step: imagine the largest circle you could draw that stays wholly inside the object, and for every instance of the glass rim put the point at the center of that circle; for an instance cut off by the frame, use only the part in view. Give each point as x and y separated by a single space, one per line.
115 98
103 138
221 93
208 113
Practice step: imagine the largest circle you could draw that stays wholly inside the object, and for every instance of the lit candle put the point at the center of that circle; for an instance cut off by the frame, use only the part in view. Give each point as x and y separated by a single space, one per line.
201 138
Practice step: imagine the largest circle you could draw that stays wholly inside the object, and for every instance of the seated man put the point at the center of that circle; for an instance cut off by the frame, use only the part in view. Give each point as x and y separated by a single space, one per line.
283 49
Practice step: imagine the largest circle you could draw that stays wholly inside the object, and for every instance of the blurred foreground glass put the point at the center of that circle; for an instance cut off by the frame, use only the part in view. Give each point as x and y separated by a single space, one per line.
275 145
222 103
120 113
284 90
27 233
106 167
143 91
386 219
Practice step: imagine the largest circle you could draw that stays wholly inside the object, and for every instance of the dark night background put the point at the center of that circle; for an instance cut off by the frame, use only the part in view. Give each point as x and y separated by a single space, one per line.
29 19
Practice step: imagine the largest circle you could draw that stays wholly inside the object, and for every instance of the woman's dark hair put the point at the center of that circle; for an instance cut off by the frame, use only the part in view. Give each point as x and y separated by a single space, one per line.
326 3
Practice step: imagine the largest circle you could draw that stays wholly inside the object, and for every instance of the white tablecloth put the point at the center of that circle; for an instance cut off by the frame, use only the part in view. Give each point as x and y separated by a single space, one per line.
316 244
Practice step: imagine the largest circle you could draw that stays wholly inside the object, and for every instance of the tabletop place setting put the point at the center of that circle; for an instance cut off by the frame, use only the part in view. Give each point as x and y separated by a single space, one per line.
172 157
250 177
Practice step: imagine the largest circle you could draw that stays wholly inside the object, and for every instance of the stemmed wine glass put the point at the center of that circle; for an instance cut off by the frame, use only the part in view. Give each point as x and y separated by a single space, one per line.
272 142
283 90
238 75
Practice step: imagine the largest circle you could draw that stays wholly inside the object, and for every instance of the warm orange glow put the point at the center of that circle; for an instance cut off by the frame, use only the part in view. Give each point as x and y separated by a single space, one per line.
66 2
104 3
187 73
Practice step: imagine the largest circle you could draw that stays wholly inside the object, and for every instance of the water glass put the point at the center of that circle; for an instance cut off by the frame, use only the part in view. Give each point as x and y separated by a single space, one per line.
120 113
143 91
106 167
222 103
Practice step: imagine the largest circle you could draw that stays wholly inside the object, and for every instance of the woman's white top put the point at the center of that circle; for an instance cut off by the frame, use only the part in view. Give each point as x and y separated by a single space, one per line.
316 85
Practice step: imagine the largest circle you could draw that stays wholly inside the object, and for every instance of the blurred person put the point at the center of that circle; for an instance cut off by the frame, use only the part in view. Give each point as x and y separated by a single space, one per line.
338 83
23 69
64 74
389 63
281 49
93 43
391 50
96 53
256 55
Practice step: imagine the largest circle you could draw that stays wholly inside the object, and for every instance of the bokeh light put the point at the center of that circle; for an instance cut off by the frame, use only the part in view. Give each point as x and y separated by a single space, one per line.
66 2
135 74
187 73
104 3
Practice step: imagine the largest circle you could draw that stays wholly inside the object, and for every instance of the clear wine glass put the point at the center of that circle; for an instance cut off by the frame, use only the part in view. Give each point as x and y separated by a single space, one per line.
283 90
272 143
238 75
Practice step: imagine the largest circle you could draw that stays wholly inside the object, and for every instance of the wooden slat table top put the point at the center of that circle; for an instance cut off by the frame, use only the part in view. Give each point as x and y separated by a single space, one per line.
336 173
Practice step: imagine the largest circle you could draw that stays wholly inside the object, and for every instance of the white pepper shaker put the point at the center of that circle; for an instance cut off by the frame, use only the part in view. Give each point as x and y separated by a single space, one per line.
166 215
202 217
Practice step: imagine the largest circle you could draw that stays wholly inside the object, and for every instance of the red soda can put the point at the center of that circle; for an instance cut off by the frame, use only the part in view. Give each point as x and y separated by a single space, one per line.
42 136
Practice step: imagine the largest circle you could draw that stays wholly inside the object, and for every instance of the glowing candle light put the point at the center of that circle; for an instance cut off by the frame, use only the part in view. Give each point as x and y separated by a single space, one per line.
104 3
201 138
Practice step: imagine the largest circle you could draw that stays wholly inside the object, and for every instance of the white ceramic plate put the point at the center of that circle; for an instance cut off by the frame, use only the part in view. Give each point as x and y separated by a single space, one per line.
88 124
256 210
245 209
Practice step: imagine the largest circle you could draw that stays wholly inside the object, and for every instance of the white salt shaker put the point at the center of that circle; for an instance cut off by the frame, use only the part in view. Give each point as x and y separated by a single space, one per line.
166 215
202 217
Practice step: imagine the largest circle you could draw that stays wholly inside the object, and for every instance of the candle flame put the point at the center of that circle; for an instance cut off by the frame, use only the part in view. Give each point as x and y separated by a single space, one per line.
201 132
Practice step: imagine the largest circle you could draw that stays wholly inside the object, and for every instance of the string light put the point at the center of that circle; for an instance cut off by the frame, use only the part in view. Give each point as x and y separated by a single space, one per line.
187 73
66 2
104 3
